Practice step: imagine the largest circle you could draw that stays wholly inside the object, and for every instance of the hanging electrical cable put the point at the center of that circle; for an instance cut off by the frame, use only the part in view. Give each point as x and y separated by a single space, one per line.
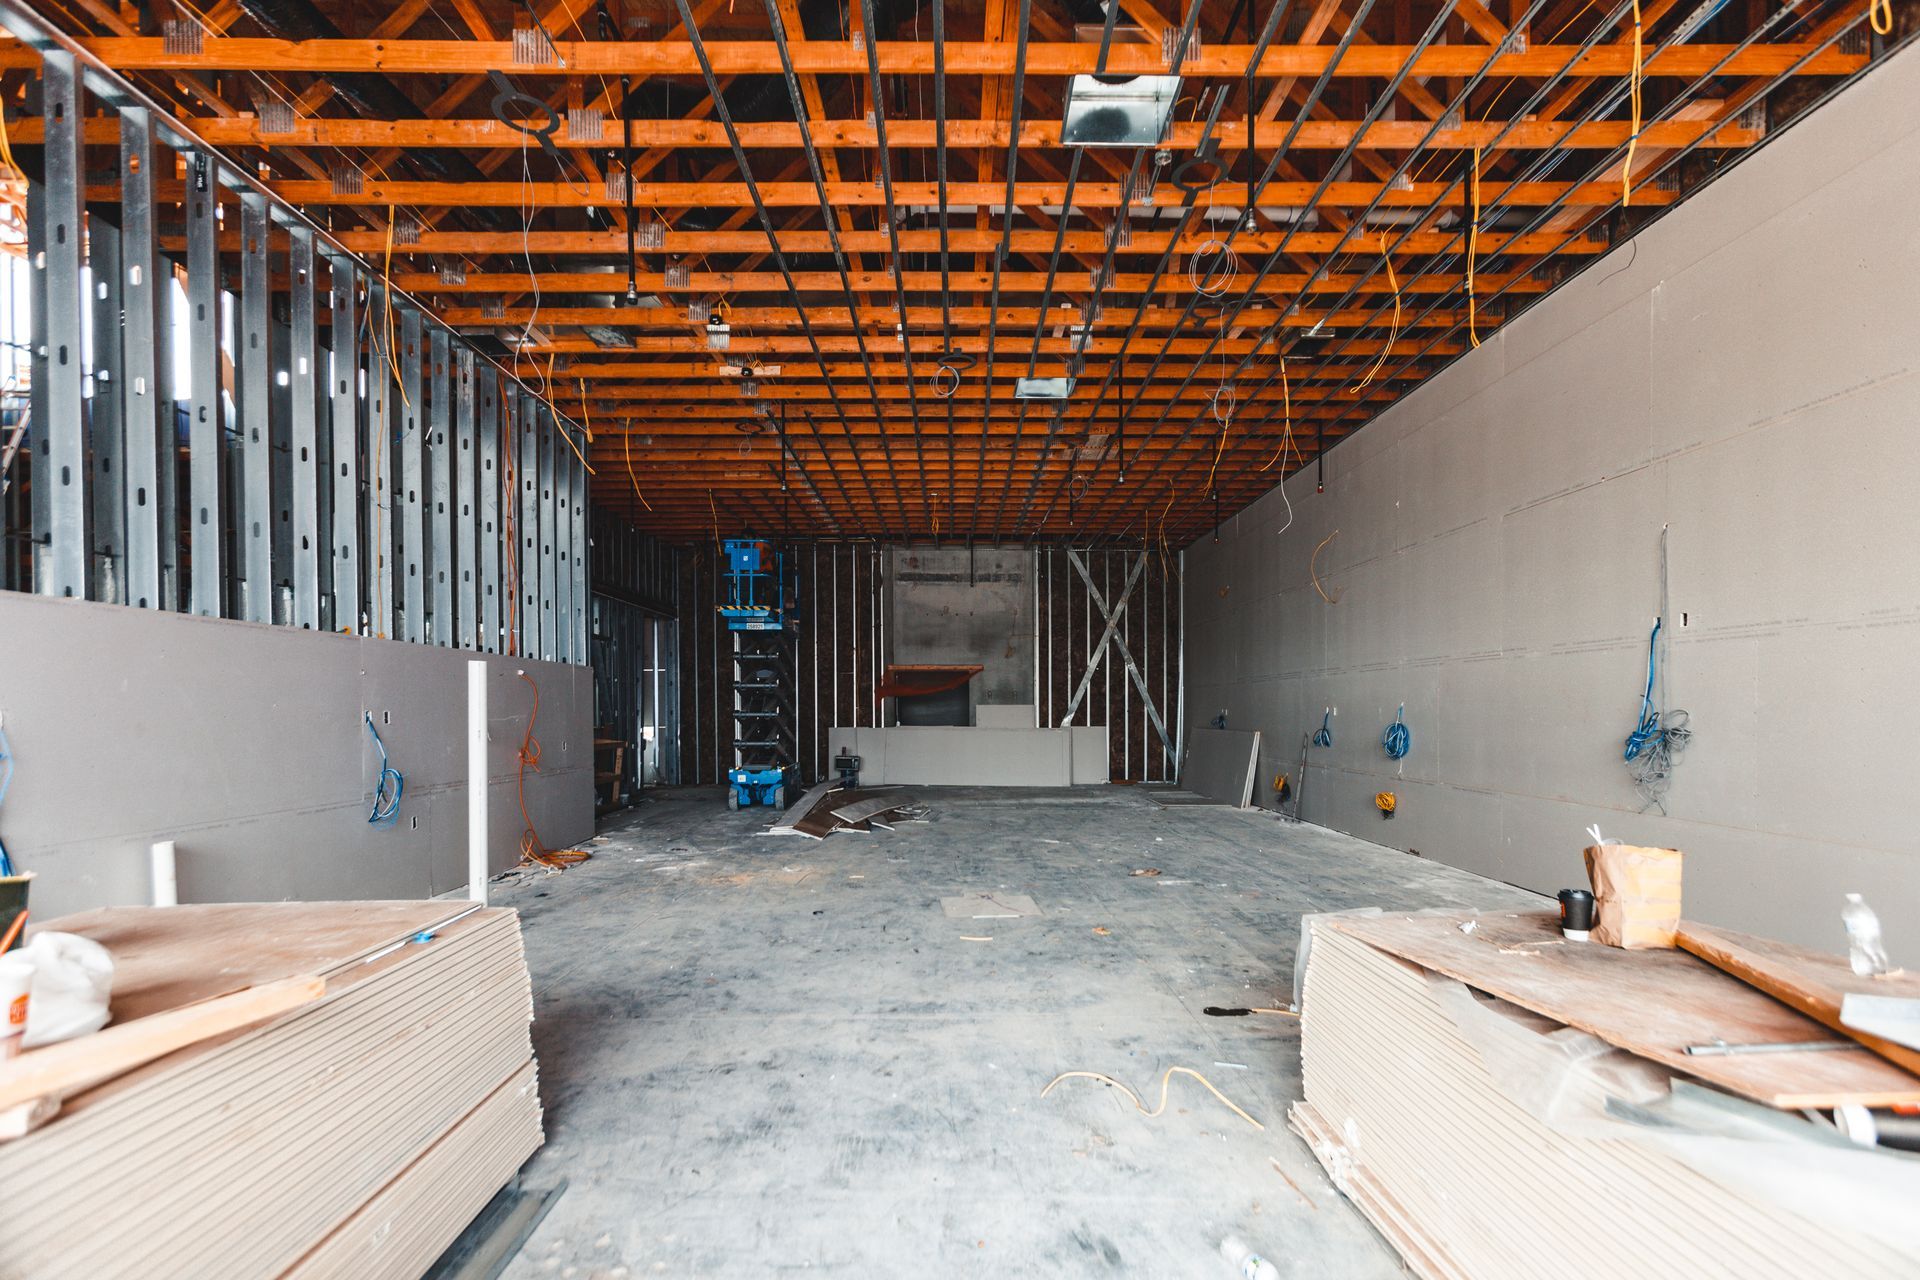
1633 134
1659 735
1324 737
1398 739
531 849
1473 248
387 785
1393 329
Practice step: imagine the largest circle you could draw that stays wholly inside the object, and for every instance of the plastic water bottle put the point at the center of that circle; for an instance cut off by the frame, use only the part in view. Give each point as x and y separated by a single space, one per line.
1248 1263
1865 949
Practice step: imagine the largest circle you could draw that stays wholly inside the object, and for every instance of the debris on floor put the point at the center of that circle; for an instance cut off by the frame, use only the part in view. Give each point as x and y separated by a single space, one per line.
989 906
829 807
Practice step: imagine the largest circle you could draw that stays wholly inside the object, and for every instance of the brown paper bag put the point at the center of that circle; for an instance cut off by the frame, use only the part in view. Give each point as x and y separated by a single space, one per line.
1637 895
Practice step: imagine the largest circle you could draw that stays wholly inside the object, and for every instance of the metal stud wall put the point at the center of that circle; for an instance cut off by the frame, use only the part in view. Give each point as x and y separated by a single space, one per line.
342 466
1125 676
633 645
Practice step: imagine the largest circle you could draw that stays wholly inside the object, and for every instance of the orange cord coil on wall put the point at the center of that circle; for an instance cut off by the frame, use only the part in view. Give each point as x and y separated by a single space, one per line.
531 850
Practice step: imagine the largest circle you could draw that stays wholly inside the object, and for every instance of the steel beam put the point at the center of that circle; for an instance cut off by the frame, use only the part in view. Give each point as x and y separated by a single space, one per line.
487 545
147 414
62 570
106 426
380 462
563 463
412 490
206 516
549 541
343 545
465 504
526 458
253 349
303 377
439 492
1098 652
1133 668
582 599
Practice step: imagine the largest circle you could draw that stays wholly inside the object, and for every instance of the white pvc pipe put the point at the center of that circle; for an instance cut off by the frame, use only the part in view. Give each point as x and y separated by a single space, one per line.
477 781
166 887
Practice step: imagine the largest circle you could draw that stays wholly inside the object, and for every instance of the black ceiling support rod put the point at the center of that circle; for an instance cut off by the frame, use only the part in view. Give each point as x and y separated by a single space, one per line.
779 257
799 105
1074 359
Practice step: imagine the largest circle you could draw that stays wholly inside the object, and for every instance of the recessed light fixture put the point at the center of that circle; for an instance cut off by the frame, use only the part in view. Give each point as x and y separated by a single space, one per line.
1042 388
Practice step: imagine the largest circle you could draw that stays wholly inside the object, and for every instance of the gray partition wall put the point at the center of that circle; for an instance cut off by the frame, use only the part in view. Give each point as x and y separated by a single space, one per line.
1744 376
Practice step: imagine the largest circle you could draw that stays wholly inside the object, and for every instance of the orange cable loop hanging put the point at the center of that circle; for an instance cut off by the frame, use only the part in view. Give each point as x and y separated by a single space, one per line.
1633 137
1473 250
531 850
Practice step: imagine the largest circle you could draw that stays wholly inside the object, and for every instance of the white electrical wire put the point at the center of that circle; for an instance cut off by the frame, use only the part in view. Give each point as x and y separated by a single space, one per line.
1212 268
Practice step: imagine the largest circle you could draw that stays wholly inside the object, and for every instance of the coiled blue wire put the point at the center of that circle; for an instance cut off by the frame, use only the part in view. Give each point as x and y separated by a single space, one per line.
1648 727
6 780
387 789
1324 738
1398 739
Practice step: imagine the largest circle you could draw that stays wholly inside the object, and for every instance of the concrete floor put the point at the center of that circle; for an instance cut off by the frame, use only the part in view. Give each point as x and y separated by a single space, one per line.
763 1055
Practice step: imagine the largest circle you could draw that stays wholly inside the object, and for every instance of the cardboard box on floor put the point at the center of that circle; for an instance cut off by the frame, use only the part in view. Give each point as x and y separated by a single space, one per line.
1636 894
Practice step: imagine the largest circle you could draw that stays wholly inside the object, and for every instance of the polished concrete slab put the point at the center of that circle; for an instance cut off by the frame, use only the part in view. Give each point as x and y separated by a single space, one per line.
770 1055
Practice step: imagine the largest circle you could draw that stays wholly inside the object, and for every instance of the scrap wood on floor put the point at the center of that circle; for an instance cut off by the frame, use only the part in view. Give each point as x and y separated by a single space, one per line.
831 807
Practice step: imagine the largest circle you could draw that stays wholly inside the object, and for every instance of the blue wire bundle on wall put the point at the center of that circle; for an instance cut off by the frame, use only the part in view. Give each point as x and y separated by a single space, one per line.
1398 739
388 787
1324 738
1658 736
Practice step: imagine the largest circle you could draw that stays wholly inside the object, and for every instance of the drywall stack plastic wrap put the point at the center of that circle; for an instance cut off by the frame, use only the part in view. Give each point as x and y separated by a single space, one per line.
1487 1141
352 1138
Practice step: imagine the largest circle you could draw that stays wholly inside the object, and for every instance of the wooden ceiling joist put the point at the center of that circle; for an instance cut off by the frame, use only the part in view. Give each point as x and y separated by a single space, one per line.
902 305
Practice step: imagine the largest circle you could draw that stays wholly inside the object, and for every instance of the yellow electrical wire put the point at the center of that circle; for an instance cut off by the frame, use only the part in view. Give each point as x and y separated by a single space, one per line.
386 297
1166 1082
1874 9
1393 331
1473 250
1286 401
6 149
1633 138
1314 572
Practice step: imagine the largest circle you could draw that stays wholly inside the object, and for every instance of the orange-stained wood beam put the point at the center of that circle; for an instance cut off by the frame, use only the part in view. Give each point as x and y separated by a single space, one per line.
796 195
760 57
1319 135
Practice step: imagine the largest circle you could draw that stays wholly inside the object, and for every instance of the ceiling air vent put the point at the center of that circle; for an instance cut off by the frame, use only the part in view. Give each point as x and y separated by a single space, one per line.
1042 388
1118 111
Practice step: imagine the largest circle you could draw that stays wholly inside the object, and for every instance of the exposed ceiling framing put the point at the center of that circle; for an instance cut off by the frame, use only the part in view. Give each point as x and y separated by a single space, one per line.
833 178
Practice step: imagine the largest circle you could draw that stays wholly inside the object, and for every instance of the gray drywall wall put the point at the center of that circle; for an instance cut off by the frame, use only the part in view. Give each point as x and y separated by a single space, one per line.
245 745
1745 372
950 605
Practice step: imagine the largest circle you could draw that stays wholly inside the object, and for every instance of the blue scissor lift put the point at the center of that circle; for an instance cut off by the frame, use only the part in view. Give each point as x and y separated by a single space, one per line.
754 592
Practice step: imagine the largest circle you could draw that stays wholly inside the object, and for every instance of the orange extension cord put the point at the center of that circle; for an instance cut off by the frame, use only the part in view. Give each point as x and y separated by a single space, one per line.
531 850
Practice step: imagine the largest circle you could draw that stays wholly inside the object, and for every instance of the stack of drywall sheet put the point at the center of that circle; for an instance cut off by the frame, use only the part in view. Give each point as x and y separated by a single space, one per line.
353 1137
1412 1122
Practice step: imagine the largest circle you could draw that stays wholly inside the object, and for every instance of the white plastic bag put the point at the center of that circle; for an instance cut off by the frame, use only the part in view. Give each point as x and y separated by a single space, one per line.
72 981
